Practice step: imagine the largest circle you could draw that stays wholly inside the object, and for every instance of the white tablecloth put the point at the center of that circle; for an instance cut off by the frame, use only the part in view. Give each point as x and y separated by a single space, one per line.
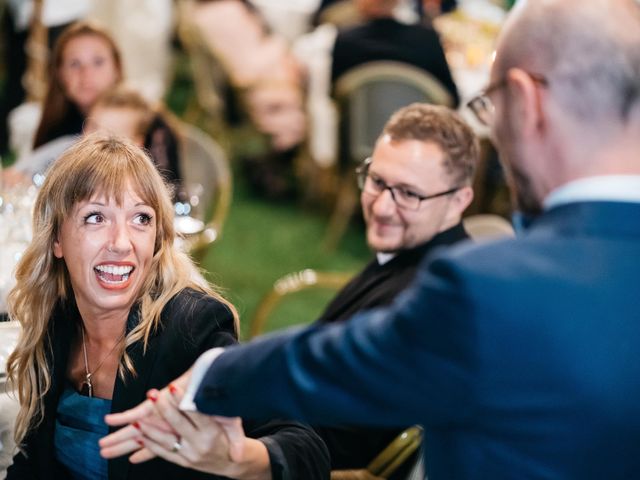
8 412
8 403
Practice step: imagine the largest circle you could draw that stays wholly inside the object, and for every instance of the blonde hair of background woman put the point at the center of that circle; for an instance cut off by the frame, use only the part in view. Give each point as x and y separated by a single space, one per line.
96 165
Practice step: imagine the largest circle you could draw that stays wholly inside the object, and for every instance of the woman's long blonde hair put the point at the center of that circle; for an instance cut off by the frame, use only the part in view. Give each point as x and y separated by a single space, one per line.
96 165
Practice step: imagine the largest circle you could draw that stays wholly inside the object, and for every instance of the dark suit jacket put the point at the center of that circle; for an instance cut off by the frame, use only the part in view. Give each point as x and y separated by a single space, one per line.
191 324
377 285
388 39
519 357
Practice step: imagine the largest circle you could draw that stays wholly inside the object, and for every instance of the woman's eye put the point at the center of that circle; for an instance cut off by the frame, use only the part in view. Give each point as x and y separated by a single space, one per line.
142 219
93 218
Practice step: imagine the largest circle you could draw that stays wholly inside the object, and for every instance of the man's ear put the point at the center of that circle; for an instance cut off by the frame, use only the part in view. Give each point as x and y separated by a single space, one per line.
526 101
463 198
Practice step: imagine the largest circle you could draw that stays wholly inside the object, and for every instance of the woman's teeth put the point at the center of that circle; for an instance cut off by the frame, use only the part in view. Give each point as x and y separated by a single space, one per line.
114 273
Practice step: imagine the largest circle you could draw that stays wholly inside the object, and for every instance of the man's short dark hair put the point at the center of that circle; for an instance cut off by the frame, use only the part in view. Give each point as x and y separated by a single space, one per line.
443 127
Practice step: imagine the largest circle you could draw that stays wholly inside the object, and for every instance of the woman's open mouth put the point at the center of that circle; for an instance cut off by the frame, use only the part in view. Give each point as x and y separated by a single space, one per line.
115 275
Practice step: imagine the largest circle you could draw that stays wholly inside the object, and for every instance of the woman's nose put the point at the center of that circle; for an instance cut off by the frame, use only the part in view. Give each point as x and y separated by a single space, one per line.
119 241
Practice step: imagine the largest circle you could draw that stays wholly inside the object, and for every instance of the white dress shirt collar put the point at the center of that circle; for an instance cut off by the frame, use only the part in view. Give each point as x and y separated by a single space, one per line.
384 257
611 188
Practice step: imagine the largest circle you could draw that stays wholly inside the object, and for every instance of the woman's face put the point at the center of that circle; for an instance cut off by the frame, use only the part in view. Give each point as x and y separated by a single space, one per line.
108 250
88 69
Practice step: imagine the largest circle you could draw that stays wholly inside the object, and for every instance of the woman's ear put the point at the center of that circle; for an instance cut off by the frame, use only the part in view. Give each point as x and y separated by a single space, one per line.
57 249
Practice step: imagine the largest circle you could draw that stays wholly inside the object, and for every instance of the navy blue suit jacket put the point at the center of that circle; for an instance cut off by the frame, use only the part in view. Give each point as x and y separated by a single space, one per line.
521 357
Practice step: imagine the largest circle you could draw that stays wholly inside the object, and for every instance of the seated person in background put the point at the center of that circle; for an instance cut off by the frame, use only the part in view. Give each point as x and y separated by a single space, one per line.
124 112
382 37
328 53
85 63
110 308
16 23
121 111
267 81
415 187
424 10
259 65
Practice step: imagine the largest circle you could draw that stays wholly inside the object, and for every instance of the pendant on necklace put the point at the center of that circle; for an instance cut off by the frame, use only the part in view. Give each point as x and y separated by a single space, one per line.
86 388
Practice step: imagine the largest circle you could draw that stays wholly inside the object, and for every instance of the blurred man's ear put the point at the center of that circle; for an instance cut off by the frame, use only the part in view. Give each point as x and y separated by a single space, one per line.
463 198
526 99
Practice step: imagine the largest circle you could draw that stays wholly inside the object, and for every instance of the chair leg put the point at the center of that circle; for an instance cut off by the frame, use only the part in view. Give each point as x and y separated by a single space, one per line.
346 203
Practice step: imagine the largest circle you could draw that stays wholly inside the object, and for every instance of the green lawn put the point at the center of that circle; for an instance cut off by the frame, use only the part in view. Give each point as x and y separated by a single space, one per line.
262 241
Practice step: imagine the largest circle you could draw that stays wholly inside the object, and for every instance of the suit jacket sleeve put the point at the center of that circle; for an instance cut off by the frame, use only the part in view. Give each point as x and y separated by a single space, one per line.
417 354
295 450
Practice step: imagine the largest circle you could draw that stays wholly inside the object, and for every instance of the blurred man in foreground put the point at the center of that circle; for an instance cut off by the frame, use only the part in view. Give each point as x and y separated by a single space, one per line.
519 357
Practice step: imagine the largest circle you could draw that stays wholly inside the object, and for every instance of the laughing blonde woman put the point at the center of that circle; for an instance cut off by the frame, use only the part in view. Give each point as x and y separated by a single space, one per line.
109 309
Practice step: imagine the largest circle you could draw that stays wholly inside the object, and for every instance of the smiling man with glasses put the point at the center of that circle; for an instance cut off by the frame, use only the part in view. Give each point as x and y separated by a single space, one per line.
417 182
415 187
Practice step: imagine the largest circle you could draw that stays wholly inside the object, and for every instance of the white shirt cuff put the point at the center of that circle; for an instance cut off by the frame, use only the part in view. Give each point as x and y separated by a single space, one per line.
197 374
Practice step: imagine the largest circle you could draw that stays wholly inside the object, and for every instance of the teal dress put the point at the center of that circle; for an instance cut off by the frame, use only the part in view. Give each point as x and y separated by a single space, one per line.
79 426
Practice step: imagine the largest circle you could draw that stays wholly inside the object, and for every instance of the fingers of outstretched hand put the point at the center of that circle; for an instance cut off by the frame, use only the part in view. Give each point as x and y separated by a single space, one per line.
161 444
142 455
129 416
158 422
125 440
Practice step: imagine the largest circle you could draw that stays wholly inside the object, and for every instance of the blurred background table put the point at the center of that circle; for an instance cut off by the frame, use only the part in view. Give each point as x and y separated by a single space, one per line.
15 233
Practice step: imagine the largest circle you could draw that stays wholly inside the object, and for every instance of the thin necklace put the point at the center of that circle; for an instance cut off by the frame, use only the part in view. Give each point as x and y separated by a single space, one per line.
86 388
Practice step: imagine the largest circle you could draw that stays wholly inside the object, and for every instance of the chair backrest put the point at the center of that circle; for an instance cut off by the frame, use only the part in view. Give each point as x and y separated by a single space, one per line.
368 94
397 452
289 285
35 78
209 79
206 174
342 13
487 226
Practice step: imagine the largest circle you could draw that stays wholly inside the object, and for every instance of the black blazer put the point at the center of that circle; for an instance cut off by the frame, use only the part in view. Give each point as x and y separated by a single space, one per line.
388 39
376 286
192 323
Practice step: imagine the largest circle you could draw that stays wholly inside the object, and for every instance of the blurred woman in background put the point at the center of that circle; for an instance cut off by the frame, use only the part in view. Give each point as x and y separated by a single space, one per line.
85 63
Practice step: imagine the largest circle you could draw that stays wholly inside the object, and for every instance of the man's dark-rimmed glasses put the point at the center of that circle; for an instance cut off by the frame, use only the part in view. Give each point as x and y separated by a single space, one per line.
403 197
